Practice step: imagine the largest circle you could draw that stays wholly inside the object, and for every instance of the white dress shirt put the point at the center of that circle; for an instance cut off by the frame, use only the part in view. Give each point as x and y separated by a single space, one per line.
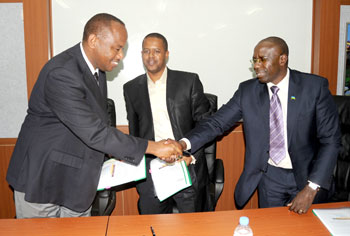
282 93
91 67
160 115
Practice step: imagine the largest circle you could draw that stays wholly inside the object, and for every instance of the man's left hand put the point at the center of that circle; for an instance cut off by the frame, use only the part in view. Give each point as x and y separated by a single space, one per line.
303 200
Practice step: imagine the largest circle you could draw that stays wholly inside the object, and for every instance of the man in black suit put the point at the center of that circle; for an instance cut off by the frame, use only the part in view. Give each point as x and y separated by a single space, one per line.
308 141
163 104
57 160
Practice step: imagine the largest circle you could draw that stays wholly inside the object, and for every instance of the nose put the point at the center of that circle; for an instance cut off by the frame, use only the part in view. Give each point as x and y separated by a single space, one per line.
256 64
120 54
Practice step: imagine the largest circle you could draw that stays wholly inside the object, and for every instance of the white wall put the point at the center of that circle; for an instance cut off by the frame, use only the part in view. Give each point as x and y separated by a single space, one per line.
212 38
13 89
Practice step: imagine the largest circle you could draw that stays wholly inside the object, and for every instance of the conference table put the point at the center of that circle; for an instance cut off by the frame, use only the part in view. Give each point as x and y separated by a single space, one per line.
270 221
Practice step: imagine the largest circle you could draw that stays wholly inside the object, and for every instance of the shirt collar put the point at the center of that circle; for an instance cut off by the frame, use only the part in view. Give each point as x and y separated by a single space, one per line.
283 84
162 79
91 67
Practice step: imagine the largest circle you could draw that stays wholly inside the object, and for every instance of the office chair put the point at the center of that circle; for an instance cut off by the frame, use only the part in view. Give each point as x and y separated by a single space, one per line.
104 202
342 170
215 166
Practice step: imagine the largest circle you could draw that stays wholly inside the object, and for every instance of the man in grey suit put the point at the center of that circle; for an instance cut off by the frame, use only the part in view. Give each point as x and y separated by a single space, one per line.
308 138
56 163
162 104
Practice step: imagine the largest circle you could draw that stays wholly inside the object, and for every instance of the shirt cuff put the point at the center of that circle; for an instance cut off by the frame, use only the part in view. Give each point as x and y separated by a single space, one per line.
313 185
188 144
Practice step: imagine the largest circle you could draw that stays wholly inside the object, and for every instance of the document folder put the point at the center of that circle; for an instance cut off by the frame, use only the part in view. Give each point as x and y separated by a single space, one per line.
115 172
336 220
169 179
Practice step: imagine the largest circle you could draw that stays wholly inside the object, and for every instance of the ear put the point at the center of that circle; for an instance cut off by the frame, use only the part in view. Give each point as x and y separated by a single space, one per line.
167 56
283 59
92 40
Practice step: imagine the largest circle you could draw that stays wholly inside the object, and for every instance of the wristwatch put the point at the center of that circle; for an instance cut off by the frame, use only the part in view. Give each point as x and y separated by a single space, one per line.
314 186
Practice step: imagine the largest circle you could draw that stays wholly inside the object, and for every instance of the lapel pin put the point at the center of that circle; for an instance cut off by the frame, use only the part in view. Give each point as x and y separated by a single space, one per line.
292 98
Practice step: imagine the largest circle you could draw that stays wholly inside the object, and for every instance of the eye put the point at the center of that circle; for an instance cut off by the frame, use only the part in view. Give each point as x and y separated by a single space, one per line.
263 59
145 51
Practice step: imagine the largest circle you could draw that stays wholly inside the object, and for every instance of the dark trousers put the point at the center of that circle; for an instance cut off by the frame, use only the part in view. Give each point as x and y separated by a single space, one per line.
187 200
277 187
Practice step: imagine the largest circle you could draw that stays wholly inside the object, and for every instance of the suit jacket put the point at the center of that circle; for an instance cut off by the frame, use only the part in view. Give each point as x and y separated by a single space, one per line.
65 135
186 104
312 129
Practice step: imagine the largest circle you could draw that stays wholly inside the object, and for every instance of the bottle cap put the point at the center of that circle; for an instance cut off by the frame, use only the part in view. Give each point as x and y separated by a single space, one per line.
243 220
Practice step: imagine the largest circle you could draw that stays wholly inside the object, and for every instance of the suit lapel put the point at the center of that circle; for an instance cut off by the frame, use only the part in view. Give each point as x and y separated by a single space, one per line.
142 89
294 99
264 101
170 101
92 85
170 92
89 79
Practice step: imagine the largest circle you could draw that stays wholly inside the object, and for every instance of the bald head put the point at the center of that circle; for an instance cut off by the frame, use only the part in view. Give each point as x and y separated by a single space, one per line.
104 39
277 42
98 23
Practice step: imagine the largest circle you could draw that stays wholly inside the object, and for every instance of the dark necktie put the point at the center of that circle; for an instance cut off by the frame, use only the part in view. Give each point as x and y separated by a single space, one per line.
277 150
96 77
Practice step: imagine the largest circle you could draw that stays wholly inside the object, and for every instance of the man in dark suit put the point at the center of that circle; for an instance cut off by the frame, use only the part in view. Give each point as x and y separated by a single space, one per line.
308 139
57 160
163 104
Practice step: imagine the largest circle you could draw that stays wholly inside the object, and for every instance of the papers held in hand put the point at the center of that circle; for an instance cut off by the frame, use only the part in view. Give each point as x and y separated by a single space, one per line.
337 220
169 179
116 172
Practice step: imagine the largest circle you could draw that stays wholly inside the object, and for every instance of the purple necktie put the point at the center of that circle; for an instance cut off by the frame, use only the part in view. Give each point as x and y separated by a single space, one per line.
277 150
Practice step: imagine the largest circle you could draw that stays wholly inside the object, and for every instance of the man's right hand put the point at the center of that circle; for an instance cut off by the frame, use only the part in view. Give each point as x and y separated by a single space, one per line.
165 150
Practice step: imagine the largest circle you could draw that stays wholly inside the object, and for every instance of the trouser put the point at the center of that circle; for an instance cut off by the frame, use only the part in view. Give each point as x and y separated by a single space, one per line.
26 209
277 187
186 200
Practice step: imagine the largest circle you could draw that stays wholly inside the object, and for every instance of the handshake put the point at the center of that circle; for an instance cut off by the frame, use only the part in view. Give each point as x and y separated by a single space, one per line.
168 150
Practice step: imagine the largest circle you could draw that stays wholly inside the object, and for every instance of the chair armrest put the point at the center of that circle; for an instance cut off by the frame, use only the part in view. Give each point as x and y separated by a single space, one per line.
219 179
219 171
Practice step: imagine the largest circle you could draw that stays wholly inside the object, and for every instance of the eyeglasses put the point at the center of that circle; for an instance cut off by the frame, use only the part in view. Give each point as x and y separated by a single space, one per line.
259 60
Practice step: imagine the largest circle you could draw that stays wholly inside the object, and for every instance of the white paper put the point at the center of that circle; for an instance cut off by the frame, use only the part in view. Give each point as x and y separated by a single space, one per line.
337 220
116 172
169 179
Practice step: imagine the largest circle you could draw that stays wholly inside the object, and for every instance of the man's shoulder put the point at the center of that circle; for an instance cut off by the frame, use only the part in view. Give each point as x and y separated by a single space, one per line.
182 74
306 77
65 59
135 81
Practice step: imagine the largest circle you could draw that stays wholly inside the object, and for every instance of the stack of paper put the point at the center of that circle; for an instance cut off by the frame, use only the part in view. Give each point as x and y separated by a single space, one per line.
169 179
337 220
116 172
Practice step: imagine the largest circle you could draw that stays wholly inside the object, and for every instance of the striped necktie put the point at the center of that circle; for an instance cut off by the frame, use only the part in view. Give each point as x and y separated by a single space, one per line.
277 150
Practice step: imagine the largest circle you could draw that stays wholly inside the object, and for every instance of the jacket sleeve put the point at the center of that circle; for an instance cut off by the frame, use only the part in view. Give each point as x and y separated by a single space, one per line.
328 135
74 104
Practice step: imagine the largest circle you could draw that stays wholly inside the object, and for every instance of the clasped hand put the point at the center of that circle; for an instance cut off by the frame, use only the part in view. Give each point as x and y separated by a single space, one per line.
175 152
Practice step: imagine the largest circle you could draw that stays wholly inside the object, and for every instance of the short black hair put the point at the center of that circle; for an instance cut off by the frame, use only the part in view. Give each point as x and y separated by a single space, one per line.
97 22
278 42
158 36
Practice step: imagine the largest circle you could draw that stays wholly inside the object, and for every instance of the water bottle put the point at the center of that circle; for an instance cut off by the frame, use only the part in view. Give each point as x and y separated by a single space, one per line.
243 228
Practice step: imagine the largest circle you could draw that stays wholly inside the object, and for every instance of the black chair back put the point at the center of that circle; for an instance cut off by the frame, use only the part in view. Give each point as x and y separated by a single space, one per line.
210 148
342 170
104 202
